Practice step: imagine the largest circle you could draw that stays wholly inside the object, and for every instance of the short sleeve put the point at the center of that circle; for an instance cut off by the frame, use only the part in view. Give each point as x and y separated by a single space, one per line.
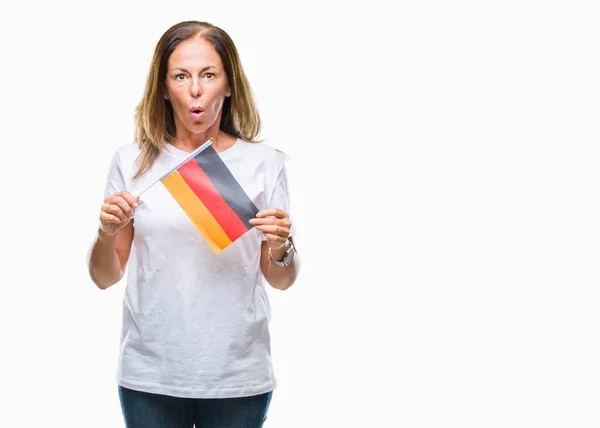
280 198
114 178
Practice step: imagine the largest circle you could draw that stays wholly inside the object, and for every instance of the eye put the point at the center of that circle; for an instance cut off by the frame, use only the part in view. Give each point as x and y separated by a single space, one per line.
180 77
210 74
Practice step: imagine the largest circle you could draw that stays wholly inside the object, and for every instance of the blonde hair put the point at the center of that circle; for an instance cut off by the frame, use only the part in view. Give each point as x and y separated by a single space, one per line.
154 122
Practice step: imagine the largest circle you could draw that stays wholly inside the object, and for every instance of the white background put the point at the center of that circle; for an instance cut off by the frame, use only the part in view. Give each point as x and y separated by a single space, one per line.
444 176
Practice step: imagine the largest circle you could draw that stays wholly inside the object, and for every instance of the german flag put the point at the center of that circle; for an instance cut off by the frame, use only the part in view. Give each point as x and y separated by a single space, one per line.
212 198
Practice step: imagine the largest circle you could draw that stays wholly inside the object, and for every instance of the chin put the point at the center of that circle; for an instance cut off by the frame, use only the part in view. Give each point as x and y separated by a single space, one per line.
198 126
199 129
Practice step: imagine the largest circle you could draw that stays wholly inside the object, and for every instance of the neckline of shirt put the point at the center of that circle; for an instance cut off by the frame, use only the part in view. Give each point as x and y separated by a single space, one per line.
171 149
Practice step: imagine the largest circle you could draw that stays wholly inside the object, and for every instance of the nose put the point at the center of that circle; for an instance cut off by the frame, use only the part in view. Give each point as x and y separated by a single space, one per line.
195 88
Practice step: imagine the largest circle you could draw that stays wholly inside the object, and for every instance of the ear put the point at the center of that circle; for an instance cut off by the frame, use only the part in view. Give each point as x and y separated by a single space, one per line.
228 93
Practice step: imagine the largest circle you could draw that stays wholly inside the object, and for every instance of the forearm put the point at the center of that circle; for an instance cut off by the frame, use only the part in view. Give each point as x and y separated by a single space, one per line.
282 277
103 261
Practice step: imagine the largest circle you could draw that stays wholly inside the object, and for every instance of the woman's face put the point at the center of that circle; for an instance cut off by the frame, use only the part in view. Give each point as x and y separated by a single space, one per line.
196 86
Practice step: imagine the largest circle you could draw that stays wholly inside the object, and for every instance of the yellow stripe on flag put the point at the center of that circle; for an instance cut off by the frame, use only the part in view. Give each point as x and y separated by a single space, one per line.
197 212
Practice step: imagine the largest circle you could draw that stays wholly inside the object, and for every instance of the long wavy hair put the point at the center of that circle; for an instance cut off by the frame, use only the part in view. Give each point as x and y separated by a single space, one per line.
154 122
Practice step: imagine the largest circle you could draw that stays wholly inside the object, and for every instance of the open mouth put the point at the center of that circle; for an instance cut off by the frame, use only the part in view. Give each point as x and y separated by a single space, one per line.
197 113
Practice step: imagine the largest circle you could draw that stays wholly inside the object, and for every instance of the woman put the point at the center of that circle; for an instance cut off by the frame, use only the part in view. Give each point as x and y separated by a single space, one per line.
195 346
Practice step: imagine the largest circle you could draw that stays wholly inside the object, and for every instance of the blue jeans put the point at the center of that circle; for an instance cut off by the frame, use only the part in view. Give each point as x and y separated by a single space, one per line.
147 410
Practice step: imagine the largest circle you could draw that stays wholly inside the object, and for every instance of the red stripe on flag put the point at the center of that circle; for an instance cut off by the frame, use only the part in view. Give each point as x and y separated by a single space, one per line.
203 188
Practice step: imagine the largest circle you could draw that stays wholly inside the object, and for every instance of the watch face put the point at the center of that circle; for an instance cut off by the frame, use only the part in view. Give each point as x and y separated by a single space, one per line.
289 255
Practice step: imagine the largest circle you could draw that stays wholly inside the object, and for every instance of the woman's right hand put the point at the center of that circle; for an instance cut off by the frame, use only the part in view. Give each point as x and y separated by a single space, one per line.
117 211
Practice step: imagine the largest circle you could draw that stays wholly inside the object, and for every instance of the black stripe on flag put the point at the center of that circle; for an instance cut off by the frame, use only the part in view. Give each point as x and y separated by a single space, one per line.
227 185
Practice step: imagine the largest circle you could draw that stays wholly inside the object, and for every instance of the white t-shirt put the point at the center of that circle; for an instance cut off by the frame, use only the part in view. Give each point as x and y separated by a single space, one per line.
195 323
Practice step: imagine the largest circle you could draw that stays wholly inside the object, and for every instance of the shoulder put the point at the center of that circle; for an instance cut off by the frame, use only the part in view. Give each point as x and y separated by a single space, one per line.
127 153
124 162
263 153
125 158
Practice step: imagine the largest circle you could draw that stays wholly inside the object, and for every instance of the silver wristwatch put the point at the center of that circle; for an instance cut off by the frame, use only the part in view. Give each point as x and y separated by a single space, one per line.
287 257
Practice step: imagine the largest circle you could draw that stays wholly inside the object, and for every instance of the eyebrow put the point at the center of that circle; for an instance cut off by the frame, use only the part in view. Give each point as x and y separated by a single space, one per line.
204 69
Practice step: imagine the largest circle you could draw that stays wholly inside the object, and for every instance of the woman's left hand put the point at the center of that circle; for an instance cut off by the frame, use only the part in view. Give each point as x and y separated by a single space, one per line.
276 227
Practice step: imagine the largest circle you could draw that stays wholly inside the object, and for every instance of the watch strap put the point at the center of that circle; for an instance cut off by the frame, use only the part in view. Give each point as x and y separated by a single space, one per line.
287 256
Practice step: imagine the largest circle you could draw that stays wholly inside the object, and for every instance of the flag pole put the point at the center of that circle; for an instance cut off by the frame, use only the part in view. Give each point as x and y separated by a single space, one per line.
190 156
